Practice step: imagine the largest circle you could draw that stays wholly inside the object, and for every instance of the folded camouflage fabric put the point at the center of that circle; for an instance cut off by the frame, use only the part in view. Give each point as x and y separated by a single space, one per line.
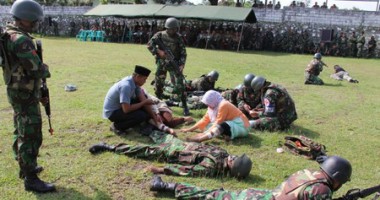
304 146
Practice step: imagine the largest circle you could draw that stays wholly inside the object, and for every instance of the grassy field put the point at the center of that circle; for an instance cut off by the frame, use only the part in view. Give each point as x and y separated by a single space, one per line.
341 115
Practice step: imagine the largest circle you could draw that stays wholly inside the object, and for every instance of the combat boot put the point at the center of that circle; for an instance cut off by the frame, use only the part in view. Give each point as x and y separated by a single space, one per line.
37 170
98 148
159 185
35 184
186 112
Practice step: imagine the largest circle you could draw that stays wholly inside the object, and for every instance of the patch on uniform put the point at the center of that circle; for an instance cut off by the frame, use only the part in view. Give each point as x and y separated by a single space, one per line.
270 108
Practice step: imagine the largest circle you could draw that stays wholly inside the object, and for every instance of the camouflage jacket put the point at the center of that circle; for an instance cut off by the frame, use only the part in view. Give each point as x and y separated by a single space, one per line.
25 69
198 160
304 185
278 103
361 39
314 67
247 96
176 45
202 84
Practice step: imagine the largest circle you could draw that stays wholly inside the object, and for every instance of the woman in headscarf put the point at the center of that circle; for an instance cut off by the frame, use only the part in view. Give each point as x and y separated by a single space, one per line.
222 119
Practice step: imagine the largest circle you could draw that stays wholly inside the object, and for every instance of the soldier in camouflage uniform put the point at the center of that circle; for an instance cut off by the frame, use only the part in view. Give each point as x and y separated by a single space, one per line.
360 44
371 47
205 82
173 41
342 44
313 70
232 94
247 99
305 184
23 72
186 158
353 47
278 110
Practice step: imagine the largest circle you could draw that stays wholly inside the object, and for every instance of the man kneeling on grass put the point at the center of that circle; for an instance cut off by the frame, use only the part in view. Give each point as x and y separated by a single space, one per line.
186 158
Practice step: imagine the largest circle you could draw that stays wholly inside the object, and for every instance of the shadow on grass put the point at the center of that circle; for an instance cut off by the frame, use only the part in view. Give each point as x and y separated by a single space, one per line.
252 179
333 84
70 193
299 130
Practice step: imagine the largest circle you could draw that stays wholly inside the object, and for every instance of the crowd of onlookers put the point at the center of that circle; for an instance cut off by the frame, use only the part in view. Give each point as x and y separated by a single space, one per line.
285 37
294 4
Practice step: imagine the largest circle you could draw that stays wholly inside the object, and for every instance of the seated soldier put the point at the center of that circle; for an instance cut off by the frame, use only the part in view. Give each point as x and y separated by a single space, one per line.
248 99
195 90
279 110
341 74
306 184
222 119
186 158
232 94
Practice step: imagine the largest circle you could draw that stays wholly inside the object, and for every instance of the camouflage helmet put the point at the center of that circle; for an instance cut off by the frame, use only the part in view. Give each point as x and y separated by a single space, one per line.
337 168
171 23
241 167
318 56
27 10
248 79
214 75
257 83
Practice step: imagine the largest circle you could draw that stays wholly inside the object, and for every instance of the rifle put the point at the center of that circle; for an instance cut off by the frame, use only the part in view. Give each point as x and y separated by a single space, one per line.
323 63
354 194
44 88
170 59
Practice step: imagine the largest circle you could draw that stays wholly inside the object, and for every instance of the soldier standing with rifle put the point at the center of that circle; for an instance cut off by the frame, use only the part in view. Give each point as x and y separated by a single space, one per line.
170 52
23 74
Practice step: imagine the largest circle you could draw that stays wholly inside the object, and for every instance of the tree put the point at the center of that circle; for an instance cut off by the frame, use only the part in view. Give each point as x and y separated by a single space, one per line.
213 2
168 1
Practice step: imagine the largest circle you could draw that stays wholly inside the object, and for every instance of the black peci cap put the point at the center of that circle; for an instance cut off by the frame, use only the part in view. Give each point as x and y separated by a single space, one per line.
142 70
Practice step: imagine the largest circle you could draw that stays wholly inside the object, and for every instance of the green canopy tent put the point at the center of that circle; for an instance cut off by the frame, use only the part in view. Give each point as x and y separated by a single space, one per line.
191 12
128 11
211 13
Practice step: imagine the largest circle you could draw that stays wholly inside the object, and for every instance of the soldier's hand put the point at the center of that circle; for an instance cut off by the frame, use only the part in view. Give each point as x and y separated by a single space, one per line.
185 130
161 53
254 114
156 170
148 102
247 107
44 100
181 67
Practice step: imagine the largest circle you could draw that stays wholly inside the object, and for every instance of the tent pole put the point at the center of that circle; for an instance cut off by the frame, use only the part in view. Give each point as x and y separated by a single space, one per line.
208 34
151 29
241 33
125 27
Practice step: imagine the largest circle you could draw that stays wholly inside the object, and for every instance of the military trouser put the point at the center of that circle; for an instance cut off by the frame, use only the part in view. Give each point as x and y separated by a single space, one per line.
312 79
266 123
176 78
187 191
27 123
360 47
164 148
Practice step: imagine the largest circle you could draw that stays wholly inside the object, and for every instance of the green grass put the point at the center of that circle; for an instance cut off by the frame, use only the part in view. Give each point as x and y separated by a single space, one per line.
340 115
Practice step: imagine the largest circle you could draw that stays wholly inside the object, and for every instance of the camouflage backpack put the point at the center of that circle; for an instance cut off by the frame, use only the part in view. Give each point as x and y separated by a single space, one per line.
304 146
